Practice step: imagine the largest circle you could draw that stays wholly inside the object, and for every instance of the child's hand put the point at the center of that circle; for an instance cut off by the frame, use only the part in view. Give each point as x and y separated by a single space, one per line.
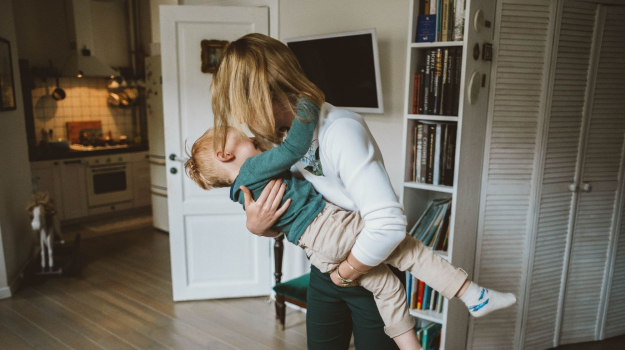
263 213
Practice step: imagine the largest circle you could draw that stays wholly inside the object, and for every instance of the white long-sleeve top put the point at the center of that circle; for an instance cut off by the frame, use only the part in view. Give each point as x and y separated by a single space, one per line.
345 165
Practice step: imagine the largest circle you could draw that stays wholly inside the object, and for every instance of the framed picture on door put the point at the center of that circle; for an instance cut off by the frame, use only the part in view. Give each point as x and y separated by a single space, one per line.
212 53
7 84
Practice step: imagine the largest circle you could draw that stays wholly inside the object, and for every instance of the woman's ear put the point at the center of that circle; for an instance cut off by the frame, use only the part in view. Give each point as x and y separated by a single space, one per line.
224 156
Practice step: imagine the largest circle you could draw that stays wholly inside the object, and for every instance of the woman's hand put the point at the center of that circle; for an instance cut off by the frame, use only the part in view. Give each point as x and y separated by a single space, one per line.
263 213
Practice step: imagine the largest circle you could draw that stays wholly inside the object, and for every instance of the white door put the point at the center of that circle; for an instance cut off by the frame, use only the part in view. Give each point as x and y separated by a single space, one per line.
212 253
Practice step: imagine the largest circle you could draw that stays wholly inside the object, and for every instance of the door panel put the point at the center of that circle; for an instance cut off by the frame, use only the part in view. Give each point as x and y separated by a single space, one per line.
571 61
212 253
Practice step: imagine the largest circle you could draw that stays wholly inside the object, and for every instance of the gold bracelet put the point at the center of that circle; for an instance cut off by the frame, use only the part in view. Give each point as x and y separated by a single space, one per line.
353 268
345 282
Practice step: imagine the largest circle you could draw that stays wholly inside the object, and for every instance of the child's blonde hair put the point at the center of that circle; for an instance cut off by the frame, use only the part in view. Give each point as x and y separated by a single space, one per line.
202 166
256 72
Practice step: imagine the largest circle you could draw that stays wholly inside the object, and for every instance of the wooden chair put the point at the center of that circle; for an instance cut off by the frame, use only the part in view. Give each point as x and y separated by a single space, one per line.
294 291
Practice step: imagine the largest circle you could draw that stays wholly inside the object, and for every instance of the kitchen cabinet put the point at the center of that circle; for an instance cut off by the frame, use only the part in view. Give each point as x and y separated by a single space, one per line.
141 180
74 187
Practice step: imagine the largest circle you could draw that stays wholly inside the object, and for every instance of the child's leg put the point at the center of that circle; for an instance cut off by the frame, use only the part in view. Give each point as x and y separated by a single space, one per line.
412 255
390 297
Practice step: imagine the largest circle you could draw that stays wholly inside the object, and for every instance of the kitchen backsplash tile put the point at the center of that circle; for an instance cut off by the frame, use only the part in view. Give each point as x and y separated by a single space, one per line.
86 100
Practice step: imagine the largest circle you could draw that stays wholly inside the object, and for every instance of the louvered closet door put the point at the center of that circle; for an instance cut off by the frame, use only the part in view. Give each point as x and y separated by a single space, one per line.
520 64
594 224
614 57
564 115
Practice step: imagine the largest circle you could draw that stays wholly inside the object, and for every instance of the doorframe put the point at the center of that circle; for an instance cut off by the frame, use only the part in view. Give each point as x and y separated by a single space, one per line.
273 5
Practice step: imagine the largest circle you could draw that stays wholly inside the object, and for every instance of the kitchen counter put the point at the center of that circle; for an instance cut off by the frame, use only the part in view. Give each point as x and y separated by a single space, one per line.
55 154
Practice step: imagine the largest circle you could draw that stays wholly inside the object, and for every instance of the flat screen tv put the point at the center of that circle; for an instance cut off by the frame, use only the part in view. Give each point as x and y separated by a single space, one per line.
345 66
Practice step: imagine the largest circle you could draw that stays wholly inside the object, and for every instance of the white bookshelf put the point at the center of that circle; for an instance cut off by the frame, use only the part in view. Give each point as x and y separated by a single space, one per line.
465 192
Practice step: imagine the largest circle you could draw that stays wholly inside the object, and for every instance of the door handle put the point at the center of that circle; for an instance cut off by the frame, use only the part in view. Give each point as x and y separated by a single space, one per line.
157 162
175 158
573 187
586 187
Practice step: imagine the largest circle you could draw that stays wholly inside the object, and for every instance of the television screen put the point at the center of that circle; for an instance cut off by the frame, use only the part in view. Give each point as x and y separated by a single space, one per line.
344 66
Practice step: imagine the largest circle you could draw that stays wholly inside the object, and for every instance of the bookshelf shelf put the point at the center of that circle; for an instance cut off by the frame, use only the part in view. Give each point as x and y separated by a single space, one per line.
428 315
427 117
429 187
436 44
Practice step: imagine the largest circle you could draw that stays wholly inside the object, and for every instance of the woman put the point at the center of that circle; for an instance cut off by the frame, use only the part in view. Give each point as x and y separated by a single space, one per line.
346 176
257 85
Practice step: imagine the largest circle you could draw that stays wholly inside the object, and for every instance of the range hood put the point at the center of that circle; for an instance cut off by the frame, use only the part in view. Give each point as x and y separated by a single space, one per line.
82 61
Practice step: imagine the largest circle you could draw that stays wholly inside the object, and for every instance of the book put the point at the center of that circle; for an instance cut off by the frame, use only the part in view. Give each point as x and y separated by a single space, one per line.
458 77
438 19
415 93
414 154
425 144
458 32
439 304
430 334
448 95
424 7
420 295
427 81
449 160
421 90
445 67
438 243
423 215
430 153
438 71
432 68
426 298
444 20
419 129
408 287
433 299
433 6
436 167
426 28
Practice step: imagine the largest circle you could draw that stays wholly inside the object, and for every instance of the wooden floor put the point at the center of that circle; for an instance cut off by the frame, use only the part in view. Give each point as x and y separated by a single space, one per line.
122 299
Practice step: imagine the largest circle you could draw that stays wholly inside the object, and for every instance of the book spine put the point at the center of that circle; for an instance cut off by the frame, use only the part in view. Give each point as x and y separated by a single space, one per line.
438 19
438 71
413 295
420 295
439 304
419 152
431 150
433 6
421 90
448 91
444 77
415 94
458 34
414 155
432 68
427 77
433 300
425 134
450 161
437 157
458 77
443 164
409 288
426 7
444 20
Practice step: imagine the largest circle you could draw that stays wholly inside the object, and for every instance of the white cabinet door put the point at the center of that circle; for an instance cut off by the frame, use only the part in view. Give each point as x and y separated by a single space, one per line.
212 253
74 188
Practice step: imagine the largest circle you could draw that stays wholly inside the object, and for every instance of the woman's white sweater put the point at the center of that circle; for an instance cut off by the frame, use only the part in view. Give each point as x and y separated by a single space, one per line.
345 165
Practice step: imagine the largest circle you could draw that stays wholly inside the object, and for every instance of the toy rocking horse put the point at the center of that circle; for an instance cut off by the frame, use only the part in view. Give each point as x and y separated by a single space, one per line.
44 221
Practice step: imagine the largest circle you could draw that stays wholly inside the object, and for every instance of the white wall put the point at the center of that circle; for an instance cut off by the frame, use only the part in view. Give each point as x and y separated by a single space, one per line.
390 19
15 234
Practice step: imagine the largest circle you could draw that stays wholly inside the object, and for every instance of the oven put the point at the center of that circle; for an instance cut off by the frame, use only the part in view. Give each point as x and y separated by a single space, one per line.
108 183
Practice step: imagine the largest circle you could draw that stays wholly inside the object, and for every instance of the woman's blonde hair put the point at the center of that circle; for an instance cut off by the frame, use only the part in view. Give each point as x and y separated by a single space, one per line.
256 72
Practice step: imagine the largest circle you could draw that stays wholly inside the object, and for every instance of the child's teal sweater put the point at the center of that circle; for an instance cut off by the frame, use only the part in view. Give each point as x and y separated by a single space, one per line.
276 163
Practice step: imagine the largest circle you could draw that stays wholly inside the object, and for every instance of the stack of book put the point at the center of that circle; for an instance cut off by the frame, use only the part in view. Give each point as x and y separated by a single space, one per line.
440 20
434 153
436 88
429 336
423 297
432 228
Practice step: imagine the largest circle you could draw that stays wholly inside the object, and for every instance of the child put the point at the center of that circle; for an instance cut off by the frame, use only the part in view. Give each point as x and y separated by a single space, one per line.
325 231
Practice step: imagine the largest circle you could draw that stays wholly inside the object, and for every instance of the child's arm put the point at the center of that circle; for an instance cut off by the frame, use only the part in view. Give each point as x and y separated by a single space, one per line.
279 159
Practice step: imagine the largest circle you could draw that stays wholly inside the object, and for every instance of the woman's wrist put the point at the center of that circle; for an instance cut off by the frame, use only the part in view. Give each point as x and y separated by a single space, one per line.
354 271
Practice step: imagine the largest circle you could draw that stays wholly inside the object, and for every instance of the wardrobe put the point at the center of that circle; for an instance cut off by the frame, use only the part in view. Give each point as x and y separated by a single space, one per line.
552 193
